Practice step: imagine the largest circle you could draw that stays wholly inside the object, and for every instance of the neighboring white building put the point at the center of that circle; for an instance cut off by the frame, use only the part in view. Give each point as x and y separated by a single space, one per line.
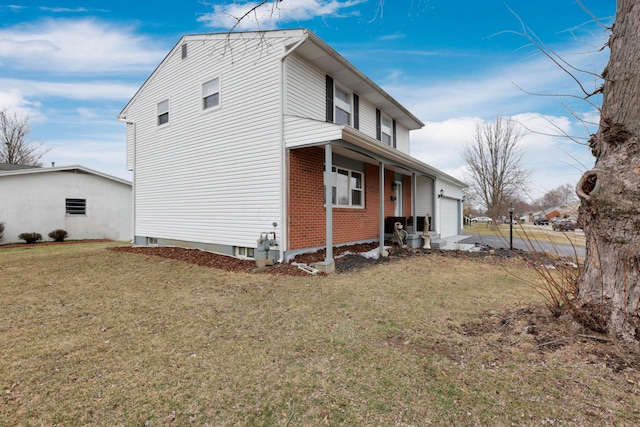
229 137
85 203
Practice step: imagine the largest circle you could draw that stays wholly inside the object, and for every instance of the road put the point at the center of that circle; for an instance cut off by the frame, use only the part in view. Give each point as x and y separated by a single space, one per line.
563 249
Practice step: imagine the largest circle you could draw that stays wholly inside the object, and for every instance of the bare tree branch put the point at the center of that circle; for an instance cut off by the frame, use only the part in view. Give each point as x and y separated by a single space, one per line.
15 148
494 163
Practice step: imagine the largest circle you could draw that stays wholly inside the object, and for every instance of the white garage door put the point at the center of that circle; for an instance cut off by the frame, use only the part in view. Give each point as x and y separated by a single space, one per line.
449 217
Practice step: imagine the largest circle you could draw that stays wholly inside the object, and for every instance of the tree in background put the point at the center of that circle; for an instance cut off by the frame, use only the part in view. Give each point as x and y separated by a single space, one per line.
15 148
495 173
610 192
560 196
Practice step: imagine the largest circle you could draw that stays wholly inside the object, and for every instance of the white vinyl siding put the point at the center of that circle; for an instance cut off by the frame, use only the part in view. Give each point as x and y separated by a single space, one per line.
305 91
402 138
424 196
211 178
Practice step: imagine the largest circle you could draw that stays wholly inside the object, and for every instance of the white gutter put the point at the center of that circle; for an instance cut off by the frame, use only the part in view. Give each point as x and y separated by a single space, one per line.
284 164
133 180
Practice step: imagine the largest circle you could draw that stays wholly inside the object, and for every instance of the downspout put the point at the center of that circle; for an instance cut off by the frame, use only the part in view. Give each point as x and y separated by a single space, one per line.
133 178
284 164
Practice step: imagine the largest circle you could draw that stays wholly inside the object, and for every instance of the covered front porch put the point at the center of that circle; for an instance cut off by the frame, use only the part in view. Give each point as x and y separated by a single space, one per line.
369 185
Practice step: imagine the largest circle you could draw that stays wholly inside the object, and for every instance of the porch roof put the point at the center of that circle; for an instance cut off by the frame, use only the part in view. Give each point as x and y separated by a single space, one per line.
353 139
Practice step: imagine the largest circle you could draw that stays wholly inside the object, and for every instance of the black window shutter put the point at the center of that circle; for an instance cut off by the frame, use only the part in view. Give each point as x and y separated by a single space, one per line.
329 81
356 111
394 134
378 129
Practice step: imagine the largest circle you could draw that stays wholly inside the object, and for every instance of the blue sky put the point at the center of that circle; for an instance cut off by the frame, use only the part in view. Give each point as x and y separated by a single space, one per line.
72 66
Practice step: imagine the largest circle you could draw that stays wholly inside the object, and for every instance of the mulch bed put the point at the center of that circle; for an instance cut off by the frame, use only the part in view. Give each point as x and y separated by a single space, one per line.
347 258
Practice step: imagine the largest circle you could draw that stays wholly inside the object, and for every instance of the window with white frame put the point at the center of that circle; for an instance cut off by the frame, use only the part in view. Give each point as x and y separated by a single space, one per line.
211 94
342 103
163 112
347 188
385 130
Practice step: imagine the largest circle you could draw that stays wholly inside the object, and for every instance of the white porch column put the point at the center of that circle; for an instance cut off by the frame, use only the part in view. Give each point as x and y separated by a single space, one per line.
381 167
328 185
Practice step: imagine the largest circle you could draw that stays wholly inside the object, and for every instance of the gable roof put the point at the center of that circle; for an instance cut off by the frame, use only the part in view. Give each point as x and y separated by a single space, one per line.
76 168
315 50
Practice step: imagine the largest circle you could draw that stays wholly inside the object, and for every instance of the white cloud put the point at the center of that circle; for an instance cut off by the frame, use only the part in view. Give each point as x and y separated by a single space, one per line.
14 101
271 14
78 46
553 160
87 90
64 9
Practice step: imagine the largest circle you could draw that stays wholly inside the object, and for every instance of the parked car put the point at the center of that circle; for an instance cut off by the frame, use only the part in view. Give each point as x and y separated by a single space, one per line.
541 221
482 219
565 225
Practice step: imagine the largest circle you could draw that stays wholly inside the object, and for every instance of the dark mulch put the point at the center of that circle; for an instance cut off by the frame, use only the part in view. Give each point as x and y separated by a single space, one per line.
347 258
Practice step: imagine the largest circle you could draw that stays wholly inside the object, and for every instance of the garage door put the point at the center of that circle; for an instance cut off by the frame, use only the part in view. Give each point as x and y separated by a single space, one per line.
449 217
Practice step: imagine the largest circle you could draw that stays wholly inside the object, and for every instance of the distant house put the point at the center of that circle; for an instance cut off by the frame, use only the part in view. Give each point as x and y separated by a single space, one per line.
235 135
85 203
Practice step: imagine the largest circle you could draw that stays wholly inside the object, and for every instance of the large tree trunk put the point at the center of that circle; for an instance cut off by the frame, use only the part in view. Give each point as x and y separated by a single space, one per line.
610 193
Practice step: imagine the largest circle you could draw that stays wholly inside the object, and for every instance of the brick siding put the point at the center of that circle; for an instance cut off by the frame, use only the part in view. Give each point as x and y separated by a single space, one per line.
307 210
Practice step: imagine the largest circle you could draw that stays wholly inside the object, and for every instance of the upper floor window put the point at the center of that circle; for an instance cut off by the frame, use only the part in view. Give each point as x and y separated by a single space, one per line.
163 112
343 106
211 94
385 130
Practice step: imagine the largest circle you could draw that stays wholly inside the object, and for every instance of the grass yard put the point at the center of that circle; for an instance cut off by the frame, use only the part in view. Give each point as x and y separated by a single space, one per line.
90 336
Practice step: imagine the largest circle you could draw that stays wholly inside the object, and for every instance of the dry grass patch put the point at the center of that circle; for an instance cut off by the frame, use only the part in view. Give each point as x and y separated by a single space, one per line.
97 337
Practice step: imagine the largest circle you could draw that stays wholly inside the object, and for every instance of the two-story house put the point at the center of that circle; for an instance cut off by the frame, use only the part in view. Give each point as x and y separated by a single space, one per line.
239 134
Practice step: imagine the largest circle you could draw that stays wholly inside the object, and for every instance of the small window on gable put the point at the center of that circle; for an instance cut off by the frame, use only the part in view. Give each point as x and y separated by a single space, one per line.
211 94
76 206
163 112
385 130
184 50
343 106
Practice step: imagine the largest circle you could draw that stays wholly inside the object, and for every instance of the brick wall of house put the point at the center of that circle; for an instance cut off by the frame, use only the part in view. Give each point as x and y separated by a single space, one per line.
307 210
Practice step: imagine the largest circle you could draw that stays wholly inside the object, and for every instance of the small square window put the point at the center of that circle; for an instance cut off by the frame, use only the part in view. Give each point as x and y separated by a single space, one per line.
163 112
76 206
152 241
242 252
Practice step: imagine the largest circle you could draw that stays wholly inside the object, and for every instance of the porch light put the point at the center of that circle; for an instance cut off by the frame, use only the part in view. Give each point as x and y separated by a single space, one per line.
394 186
441 193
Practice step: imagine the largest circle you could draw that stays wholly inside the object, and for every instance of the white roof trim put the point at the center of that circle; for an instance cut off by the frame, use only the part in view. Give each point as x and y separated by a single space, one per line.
63 169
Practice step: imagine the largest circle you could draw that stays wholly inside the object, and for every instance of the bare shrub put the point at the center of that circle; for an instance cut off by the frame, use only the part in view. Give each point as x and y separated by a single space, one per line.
58 235
30 238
